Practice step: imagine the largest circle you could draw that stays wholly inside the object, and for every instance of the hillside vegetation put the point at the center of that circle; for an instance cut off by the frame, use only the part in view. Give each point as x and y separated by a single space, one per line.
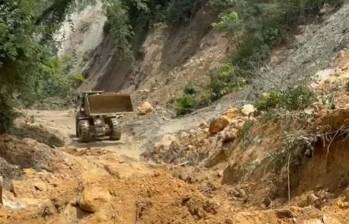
29 69
258 27
31 72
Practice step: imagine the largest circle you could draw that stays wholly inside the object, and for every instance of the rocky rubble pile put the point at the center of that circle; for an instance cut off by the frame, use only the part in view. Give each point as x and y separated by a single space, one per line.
205 145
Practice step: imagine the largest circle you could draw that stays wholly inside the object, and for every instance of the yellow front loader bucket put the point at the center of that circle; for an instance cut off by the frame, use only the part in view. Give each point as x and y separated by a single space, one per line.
108 103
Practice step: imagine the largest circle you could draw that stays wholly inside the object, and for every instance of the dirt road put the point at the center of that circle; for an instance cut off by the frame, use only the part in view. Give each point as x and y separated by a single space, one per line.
63 123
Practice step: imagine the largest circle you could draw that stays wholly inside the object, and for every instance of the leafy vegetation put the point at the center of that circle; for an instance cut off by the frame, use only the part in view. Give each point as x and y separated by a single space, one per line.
118 26
188 102
292 99
185 104
263 26
225 80
179 11
222 81
26 28
260 26
130 20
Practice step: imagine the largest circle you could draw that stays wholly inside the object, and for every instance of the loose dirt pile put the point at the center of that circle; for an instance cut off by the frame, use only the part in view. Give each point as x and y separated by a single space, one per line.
90 186
272 160
241 167
96 186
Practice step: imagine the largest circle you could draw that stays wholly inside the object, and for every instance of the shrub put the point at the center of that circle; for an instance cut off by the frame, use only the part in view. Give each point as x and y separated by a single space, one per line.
179 11
262 25
119 28
297 98
185 104
26 46
7 113
228 22
225 80
190 89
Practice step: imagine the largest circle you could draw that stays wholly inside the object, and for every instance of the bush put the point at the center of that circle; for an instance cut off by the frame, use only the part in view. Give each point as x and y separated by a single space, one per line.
246 137
118 25
262 26
297 98
7 113
26 46
179 11
190 89
185 104
225 80
228 22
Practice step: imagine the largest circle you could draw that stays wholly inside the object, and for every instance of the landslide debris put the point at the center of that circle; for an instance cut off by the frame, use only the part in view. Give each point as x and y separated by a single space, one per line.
82 189
272 159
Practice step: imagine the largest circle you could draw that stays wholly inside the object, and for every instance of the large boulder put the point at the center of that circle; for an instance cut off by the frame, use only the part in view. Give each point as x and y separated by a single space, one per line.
145 108
218 125
93 198
248 109
27 153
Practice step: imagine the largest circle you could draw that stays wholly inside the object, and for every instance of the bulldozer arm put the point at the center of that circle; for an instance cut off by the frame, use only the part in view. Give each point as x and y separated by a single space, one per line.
108 103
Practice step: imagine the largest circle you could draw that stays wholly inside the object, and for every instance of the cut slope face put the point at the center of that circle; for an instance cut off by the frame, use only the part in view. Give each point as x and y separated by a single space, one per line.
169 58
172 57
81 33
312 51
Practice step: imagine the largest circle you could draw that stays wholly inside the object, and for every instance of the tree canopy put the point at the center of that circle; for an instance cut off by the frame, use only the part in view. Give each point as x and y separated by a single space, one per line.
26 28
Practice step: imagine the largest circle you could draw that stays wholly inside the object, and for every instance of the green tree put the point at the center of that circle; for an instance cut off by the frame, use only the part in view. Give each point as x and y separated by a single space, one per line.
23 56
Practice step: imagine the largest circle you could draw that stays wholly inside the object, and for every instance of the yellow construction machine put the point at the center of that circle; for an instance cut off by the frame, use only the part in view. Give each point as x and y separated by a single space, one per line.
98 115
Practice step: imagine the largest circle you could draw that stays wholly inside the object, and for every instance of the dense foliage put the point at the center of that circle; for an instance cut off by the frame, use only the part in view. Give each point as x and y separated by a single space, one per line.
297 98
130 20
26 28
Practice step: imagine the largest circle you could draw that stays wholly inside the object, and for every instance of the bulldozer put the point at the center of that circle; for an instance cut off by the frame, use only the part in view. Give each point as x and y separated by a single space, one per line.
98 115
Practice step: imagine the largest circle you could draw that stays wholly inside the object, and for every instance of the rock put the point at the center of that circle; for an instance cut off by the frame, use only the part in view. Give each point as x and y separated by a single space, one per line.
203 125
113 171
229 135
93 198
232 113
248 109
145 108
218 125
313 221
312 199
166 141
239 193
342 204
330 220
229 221
284 213
184 135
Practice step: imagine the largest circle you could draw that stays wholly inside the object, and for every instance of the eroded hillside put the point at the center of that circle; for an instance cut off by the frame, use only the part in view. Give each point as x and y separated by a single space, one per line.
273 151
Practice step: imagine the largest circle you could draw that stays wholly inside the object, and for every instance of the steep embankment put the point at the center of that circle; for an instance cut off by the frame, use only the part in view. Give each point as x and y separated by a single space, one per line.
172 56
314 48
169 58
80 34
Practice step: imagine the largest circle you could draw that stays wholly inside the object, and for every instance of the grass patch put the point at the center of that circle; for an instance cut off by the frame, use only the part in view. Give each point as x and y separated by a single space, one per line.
291 99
